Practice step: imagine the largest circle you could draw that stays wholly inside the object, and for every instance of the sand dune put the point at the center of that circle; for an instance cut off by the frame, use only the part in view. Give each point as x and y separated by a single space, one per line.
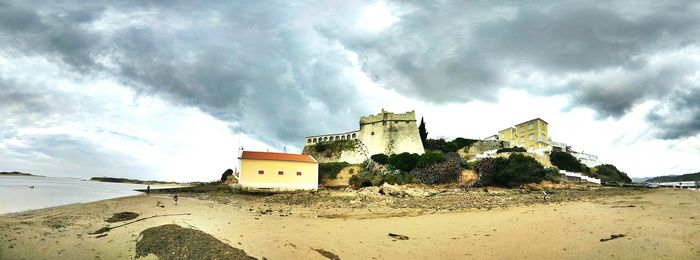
663 224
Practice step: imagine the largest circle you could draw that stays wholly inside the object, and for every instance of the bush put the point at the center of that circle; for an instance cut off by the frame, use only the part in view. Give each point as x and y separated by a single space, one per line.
330 170
380 158
447 147
552 174
515 170
609 172
463 142
335 147
430 158
450 147
468 165
225 175
376 176
434 144
566 161
404 161
442 172
515 149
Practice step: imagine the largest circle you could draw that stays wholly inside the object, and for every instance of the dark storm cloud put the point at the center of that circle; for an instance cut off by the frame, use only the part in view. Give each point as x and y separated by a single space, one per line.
458 50
679 116
246 62
274 68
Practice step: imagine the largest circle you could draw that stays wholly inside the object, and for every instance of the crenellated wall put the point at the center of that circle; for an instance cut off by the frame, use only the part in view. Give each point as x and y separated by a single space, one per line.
386 133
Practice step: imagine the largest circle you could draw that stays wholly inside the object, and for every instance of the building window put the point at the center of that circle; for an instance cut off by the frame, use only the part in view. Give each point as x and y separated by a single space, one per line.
353 136
280 172
532 137
372 133
298 173
406 122
530 126
308 141
261 172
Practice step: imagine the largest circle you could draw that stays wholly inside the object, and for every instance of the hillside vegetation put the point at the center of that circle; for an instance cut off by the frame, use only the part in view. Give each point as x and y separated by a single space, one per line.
672 178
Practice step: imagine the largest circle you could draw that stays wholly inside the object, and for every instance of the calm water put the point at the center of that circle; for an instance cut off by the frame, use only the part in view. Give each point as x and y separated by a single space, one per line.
16 196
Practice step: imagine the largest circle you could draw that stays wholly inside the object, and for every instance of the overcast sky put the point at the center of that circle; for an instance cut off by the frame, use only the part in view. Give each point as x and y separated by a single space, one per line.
168 90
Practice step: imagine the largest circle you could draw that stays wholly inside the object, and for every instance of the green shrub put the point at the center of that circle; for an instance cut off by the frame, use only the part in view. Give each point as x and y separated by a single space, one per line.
404 161
446 171
386 174
434 144
552 174
468 165
463 142
335 147
515 149
380 158
225 175
566 161
450 147
515 170
430 158
330 170
609 172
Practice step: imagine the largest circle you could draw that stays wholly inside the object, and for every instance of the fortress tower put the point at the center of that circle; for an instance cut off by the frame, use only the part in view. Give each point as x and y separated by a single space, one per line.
386 133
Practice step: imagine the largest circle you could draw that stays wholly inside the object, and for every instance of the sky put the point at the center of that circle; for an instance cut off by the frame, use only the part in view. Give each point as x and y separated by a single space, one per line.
169 90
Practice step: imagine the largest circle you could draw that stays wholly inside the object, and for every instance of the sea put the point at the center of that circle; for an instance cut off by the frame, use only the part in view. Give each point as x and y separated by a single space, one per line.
17 196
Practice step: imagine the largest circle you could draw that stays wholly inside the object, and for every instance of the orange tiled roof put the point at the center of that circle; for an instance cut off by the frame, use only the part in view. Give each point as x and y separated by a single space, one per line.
278 156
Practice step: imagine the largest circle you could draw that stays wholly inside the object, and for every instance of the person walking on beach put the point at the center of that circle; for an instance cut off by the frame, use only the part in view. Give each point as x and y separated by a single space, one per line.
148 190
175 198
545 195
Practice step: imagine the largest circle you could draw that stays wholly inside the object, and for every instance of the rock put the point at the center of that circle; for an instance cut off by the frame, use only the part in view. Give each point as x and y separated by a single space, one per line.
392 190
420 193
397 236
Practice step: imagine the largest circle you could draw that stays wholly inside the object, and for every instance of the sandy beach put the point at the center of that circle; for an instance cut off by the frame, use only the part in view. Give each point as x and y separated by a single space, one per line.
657 224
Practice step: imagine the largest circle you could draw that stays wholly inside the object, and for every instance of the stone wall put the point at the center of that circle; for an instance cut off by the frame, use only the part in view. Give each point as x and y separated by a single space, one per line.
385 132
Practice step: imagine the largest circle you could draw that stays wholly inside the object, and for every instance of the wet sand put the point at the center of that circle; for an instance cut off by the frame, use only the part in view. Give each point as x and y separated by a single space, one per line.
661 224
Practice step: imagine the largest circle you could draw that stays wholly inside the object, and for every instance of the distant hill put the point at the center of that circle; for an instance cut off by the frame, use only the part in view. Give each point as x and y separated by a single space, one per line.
124 180
640 180
18 174
671 178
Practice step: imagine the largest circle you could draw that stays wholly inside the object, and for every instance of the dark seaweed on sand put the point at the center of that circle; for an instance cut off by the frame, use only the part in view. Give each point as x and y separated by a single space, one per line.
175 242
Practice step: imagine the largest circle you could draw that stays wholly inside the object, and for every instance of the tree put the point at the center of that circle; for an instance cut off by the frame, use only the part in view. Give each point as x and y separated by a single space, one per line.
422 131
609 172
566 161
227 173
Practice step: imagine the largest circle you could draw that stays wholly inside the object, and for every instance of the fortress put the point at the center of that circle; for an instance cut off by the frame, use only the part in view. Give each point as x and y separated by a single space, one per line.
386 133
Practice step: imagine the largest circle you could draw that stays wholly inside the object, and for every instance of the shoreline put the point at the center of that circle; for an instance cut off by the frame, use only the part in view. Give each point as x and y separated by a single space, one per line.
654 224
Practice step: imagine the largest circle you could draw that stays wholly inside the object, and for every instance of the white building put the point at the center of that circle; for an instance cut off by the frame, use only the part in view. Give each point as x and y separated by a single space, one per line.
589 160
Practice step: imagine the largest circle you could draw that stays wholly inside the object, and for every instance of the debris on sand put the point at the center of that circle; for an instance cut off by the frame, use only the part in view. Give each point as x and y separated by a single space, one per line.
101 230
628 206
397 236
122 216
612 237
174 242
327 254
160 204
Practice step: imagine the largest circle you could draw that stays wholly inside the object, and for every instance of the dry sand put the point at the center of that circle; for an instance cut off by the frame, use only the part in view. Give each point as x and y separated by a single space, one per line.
659 224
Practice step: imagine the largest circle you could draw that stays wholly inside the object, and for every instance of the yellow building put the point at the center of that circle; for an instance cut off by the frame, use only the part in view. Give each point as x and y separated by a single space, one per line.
531 135
282 171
